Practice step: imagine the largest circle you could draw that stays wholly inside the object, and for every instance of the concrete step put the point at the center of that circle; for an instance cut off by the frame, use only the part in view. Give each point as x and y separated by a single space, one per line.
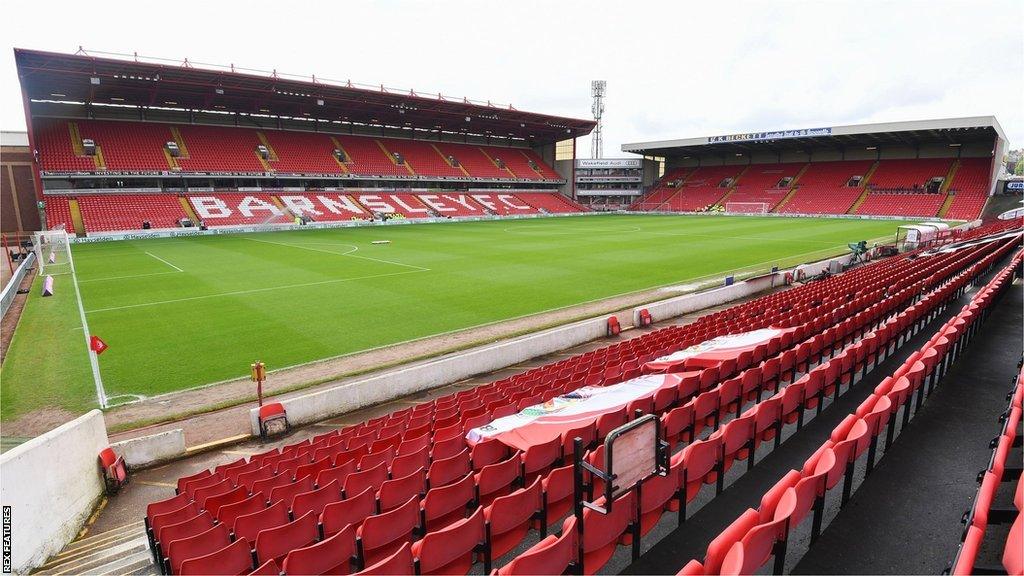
139 563
93 560
127 531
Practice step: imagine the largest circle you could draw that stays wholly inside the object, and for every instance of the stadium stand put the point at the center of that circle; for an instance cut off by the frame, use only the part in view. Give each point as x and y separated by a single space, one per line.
911 175
123 212
129 211
824 188
141 147
836 328
758 535
969 189
705 186
1001 476
901 204
765 183
219 149
422 158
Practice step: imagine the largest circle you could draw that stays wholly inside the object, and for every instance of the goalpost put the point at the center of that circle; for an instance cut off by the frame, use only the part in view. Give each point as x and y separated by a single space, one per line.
53 255
747 207
53 252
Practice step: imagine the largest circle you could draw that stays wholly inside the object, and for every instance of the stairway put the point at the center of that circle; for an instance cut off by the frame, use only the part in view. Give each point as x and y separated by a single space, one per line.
337 146
123 550
506 168
863 184
441 154
860 200
787 197
798 175
528 160
944 189
187 207
76 217
392 158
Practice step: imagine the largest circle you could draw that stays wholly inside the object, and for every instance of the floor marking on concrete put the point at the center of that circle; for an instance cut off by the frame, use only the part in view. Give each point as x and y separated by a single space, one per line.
252 291
92 519
151 483
164 261
325 425
239 452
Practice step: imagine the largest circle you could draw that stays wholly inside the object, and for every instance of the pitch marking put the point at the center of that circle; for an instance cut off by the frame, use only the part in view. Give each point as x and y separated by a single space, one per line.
349 253
164 261
124 277
252 291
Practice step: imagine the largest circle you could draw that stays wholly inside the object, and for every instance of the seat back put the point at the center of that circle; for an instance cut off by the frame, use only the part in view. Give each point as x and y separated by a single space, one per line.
383 534
249 525
197 545
447 504
450 551
275 543
315 500
354 510
509 517
331 555
235 558
552 555
398 563
394 493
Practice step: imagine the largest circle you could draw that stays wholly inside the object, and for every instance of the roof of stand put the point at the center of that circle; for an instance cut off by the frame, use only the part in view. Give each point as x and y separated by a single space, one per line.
912 133
135 81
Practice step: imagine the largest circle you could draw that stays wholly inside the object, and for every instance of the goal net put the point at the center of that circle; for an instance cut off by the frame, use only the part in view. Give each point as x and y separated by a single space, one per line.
53 252
746 207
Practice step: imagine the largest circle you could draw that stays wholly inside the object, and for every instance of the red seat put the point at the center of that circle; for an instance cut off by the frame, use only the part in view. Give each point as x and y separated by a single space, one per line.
186 512
331 555
214 503
497 479
552 555
509 517
315 500
383 534
394 493
372 478
451 550
447 504
233 559
288 492
400 562
410 462
268 568
266 485
448 470
353 510
227 514
539 458
720 545
558 493
195 546
184 481
247 479
337 474
603 532
249 525
487 452
185 529
275 543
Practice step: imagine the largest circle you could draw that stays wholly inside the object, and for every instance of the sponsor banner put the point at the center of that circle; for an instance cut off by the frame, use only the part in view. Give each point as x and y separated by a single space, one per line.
608 163
183 232
713 352
1014 185
773 135
543 422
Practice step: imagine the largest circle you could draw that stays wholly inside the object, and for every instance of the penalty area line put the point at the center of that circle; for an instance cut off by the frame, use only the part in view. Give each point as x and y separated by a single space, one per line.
349 253
164 261
251 291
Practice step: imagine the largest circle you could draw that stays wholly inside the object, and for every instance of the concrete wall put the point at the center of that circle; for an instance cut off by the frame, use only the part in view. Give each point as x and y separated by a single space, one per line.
685 304
364 392
153 449
52 483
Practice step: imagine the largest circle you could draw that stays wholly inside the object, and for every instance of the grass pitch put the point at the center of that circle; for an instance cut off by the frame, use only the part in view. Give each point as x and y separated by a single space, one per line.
183 312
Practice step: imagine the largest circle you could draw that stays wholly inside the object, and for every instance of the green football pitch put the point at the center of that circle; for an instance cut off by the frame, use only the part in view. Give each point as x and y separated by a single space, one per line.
183 312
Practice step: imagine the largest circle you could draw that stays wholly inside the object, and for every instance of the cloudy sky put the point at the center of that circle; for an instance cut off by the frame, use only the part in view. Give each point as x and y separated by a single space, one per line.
674 69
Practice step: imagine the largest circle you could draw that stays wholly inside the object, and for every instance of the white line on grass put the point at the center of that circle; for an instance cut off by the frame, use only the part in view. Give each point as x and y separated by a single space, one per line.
251 291
128 276
164 261
349 253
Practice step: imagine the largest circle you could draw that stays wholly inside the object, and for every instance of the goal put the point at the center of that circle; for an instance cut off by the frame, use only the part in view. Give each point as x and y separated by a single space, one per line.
746 207
53 252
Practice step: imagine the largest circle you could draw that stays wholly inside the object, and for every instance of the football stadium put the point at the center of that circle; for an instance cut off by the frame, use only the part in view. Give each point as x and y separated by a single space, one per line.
264 323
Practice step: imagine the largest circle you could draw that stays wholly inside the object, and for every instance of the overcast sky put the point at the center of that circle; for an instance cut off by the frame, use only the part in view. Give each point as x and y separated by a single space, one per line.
674 69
